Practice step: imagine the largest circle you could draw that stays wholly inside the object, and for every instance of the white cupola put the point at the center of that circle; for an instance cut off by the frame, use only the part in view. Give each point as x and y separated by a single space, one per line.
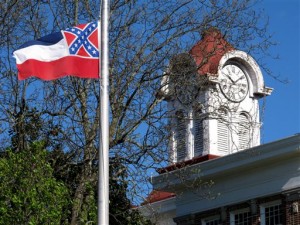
212 94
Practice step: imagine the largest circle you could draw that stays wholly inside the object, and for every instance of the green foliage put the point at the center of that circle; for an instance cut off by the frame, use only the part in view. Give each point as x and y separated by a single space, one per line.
29 194
89 209
120 209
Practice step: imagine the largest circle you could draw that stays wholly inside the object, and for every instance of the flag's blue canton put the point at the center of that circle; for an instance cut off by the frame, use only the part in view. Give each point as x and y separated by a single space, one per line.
82 40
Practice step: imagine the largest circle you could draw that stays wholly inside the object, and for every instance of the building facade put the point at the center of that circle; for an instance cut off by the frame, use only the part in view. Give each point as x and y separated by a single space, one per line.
260 185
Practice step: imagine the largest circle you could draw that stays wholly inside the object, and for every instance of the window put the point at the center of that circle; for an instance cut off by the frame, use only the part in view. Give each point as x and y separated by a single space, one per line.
214 220
198 134
223 132
271 213
181 136
244 131
240 217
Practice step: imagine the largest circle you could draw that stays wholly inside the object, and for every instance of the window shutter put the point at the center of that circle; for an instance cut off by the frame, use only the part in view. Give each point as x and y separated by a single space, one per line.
181 137
223 133
198 138
244 132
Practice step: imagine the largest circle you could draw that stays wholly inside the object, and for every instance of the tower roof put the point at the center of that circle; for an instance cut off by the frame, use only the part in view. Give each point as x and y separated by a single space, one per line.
209 50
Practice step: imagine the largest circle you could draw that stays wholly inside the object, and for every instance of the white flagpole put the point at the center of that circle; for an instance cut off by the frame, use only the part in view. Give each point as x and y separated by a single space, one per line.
103 177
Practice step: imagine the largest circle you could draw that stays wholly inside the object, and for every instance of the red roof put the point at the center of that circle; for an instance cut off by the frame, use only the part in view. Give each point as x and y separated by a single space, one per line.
156 196
192 161
208 52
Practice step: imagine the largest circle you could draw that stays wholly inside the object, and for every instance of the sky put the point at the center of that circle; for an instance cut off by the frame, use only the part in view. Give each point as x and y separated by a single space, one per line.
281 117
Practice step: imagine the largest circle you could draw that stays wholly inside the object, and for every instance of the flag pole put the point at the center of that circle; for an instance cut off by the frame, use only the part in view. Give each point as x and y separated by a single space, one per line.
103 170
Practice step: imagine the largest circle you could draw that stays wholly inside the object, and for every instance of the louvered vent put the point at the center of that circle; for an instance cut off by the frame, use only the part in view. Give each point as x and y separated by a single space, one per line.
244 132
198 138
223 133
181 137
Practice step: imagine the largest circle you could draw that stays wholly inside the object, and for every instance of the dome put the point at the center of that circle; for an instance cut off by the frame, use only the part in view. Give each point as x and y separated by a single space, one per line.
208 51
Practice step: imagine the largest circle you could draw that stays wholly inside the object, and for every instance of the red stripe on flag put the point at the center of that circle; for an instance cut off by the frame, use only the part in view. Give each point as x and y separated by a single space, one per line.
66 66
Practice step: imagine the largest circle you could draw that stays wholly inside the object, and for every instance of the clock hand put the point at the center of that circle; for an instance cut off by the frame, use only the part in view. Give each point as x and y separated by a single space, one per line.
238 79
229 77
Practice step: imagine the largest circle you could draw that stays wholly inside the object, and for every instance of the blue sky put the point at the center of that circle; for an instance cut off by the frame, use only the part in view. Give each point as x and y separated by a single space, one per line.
281 117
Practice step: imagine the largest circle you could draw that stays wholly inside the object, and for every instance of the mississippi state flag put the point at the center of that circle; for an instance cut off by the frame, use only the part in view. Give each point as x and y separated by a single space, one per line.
74 52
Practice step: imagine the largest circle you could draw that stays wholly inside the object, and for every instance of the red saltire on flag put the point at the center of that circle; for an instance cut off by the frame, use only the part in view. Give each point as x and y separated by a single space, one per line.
73 51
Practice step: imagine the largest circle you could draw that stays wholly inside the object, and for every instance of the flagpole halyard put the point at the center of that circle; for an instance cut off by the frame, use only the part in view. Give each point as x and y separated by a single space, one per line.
103 170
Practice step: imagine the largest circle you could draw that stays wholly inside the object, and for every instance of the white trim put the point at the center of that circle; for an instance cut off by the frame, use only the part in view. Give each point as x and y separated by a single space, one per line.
259 155
206 220
235 212
267 205
189 136
249 64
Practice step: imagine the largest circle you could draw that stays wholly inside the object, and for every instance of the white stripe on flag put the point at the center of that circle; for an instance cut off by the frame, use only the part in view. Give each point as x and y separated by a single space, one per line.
44 53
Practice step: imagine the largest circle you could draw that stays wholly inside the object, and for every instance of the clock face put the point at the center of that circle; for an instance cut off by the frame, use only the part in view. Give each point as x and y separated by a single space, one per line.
233 83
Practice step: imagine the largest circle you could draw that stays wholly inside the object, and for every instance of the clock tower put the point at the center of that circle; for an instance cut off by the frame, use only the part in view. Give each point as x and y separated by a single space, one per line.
212 94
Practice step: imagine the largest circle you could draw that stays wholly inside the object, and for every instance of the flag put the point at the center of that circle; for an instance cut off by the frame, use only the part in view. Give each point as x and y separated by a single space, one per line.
73 51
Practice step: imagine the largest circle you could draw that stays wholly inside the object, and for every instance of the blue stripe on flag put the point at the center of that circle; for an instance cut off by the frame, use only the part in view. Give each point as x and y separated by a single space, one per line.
46 40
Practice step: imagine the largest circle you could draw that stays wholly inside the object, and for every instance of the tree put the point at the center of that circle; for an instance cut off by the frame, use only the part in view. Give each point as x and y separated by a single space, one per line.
121 211
29 194
144 35
17 172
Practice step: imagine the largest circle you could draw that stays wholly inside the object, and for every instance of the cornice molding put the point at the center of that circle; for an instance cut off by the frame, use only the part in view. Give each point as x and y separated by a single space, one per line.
233 163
